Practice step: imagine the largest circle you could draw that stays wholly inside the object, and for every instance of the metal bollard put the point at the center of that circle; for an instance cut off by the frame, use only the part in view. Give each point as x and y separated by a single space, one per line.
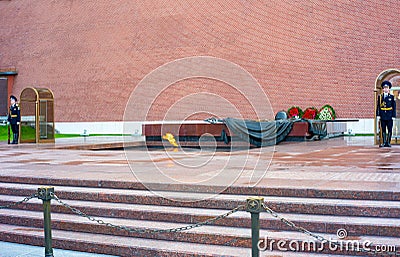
254 206
44 193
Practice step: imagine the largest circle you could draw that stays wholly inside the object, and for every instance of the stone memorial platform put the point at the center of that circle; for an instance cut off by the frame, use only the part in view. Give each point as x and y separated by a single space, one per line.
341 183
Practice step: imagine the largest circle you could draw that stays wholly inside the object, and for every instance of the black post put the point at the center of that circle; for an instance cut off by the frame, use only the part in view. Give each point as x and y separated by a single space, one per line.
254 206
44 193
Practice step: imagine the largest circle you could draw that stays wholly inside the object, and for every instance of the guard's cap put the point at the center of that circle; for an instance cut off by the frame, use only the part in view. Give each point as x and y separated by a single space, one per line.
386 84
13 97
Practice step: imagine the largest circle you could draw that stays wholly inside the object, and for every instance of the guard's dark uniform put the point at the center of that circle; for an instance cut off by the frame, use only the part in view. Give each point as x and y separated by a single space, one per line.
14 117
386 109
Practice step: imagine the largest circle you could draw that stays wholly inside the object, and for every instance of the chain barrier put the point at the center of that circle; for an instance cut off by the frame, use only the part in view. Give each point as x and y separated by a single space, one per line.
26 199
203 223
321 238
147 230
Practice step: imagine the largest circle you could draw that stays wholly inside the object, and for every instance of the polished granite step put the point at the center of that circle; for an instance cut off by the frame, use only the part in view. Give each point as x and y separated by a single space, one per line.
321 206
239 190
116 245
375 221
209 234
318 223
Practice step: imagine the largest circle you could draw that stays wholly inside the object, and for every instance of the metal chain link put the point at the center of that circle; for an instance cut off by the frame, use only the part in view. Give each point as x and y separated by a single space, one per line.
146 230
318 237
206 222
26 199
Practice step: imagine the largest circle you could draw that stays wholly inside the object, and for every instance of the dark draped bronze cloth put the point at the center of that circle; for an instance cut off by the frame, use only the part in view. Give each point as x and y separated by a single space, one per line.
260 133
267 133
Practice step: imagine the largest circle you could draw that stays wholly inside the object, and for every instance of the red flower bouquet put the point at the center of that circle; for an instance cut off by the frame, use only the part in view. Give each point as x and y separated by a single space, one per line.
310 113
294 112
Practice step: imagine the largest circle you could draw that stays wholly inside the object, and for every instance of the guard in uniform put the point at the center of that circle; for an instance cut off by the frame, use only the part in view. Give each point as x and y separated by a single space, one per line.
14 118
386 110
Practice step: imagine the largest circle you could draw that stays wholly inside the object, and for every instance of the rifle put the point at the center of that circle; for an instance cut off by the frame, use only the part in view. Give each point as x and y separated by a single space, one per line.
380 133
8 129
8 134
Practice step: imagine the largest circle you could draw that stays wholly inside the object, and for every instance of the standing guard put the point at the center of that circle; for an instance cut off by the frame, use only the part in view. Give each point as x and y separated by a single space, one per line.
14 118
386 110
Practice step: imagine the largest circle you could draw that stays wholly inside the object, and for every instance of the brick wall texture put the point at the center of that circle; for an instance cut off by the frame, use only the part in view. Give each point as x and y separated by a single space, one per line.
93 53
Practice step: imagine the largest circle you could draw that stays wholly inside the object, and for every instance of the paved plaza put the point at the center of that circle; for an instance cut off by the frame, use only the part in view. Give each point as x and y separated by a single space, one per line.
347 163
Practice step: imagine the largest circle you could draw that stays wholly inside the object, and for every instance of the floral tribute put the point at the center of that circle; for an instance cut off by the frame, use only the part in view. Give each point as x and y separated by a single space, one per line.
310 113
294 112
327 113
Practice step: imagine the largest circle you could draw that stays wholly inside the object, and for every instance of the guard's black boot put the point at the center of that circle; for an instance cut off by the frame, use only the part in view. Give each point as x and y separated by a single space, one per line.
383 139
385 142
13 141
15 138
389 138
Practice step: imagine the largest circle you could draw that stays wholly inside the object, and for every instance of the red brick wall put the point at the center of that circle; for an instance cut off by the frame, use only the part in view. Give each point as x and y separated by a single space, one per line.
93 53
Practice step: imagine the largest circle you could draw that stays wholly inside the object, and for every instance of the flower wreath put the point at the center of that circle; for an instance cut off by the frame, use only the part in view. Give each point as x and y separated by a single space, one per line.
327 113
310 113
294 112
